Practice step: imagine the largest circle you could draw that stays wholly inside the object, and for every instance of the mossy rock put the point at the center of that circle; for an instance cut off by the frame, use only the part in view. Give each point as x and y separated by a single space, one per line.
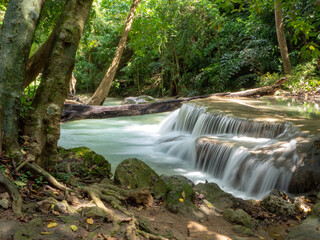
316 210
279 206
214 194
135 174
242 230
84 163
180 194
239 217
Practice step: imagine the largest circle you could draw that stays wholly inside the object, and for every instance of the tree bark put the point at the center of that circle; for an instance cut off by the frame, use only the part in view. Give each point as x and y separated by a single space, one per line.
43 123
282 37
18 29
76 112
36 62
103 90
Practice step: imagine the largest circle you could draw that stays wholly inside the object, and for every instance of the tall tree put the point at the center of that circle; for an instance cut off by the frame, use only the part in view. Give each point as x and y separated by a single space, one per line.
282 37
103 90
43 123
17 33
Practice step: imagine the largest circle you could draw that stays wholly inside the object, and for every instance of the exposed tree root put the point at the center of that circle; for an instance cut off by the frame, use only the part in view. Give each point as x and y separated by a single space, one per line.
15 195
117 197
37 169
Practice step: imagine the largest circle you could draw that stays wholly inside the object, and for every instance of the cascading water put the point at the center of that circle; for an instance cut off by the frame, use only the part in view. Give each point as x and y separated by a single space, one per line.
248 158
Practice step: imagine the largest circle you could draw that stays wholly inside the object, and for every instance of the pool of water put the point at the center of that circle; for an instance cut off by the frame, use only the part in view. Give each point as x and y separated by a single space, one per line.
126 137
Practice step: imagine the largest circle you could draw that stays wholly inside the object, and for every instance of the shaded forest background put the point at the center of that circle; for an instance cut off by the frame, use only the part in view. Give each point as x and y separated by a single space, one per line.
187 47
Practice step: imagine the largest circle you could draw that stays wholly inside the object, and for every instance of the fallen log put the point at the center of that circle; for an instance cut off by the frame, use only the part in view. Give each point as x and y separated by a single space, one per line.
77 112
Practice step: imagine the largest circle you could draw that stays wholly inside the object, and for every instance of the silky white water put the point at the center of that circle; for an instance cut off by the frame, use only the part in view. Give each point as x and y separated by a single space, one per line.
245 157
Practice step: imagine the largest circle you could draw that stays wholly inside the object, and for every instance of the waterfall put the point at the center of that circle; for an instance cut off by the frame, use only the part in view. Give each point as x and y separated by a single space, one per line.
245 156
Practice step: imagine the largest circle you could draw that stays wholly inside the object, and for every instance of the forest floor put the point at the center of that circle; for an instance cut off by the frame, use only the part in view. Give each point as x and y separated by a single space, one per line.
40 222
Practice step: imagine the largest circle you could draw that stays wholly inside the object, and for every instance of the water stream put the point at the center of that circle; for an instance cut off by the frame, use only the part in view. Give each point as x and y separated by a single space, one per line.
247 147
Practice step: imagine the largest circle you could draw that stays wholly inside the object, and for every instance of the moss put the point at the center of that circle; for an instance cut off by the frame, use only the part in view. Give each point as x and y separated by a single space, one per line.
240 217
135 174
28 231
180 194
84 163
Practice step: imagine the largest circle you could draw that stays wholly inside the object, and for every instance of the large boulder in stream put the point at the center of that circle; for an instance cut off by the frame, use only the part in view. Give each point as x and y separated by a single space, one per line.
143 99
83 163
306 177
135 174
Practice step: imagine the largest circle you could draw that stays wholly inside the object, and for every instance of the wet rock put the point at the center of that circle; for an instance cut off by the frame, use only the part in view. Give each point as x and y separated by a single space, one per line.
135 174
239 229
240 217
84 163
306 178
308 229
4 203
214 194
279 206
143 99
180 194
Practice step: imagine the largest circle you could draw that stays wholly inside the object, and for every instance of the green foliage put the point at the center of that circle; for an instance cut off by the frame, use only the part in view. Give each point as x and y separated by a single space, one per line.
28 96
304 78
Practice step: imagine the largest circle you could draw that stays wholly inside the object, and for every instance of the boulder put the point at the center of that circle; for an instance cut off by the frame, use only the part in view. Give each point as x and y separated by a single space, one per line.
214 194
180 194
84 163
279 206
143 99
135 174
239 217
239 229
306 177
308 229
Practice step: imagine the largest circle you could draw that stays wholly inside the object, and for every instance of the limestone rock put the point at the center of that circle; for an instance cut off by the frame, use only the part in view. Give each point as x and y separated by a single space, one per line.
279 206
180 195
308 229
240 217
60 207
84 162
135 174
143 99
4 203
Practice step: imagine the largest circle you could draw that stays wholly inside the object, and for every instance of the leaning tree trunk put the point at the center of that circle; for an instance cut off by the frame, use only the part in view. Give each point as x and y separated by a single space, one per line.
103 90
36 62
282 37
17 33
43 124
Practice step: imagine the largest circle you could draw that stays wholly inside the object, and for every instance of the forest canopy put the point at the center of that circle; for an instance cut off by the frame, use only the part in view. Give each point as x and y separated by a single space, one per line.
187 47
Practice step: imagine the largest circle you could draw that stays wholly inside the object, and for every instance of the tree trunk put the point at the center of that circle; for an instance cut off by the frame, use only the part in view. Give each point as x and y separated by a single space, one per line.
43 123
18 29
282 37
103 90
36 62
